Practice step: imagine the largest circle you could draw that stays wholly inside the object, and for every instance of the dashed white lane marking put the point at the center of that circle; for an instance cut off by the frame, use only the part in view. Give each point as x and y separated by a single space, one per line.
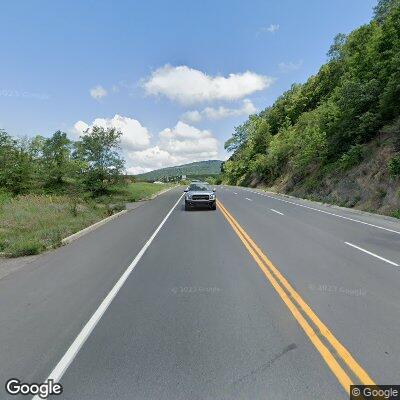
234 193
372 254
275 211
326 212
248 199
79 341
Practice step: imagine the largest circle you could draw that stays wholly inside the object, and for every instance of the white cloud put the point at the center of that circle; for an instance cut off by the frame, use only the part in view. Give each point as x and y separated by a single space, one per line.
98 92
188 85
192 116
134 135
179 145
212 113
137 170
188 141
149 159
290 66
272 28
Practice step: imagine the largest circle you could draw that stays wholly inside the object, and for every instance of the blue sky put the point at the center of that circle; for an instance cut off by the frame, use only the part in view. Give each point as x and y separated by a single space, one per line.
151 62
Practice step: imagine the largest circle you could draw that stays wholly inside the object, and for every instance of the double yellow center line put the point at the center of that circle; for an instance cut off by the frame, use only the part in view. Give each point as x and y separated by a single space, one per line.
314 328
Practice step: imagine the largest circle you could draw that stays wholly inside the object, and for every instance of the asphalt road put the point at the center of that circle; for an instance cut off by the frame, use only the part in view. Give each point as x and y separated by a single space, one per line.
267 297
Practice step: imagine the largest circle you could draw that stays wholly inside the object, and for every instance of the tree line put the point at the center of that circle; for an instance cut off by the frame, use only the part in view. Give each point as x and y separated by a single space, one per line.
91 164
323 123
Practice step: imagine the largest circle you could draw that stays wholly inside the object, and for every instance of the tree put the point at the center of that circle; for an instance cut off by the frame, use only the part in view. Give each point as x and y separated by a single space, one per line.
382 9
335 51
238 139
16 170
56 157
100 159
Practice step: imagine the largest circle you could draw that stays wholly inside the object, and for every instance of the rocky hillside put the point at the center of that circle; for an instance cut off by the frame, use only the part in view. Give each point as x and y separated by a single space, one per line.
366 186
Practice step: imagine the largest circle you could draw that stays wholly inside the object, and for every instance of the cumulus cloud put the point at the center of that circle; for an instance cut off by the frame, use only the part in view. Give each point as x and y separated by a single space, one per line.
134 135
179 145
98 92
187 85
290 66
149 159
220 112
189 141
192 116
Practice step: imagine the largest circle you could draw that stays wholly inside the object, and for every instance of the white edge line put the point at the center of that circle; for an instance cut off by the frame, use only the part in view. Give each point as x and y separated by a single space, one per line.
326 212
275 211
77 344
372 254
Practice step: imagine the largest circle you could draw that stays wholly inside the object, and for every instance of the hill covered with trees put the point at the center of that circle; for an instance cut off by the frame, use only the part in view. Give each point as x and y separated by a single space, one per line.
335 137
199 168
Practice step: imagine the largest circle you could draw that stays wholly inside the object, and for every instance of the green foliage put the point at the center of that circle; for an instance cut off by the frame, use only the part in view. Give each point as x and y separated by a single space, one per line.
326 120
394 166
336 50
382 9
4 197
210 179
16 162
102 163
396 214
56 165
56 158
351 158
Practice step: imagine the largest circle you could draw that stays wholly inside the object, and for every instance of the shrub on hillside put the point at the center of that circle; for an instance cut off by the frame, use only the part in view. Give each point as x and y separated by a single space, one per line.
394 166
351 158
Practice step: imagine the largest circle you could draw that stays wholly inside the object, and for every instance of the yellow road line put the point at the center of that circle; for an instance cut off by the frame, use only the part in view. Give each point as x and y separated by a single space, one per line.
341 350
271 272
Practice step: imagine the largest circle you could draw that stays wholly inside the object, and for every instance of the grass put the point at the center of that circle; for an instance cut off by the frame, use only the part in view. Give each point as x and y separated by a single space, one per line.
133 192
30 224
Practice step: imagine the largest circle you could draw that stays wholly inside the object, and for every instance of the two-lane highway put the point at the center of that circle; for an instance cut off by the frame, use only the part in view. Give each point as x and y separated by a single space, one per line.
263 298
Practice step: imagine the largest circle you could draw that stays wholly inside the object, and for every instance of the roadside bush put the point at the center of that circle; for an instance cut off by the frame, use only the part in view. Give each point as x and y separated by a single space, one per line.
114 208
396 214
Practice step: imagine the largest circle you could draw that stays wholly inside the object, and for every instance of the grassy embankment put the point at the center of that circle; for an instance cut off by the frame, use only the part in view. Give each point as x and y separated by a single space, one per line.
30 224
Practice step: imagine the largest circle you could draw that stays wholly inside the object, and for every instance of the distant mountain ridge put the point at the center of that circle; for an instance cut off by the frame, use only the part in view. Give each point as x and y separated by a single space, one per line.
209 167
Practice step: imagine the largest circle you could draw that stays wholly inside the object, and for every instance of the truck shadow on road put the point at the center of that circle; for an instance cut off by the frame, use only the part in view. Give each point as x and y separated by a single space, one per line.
194 209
